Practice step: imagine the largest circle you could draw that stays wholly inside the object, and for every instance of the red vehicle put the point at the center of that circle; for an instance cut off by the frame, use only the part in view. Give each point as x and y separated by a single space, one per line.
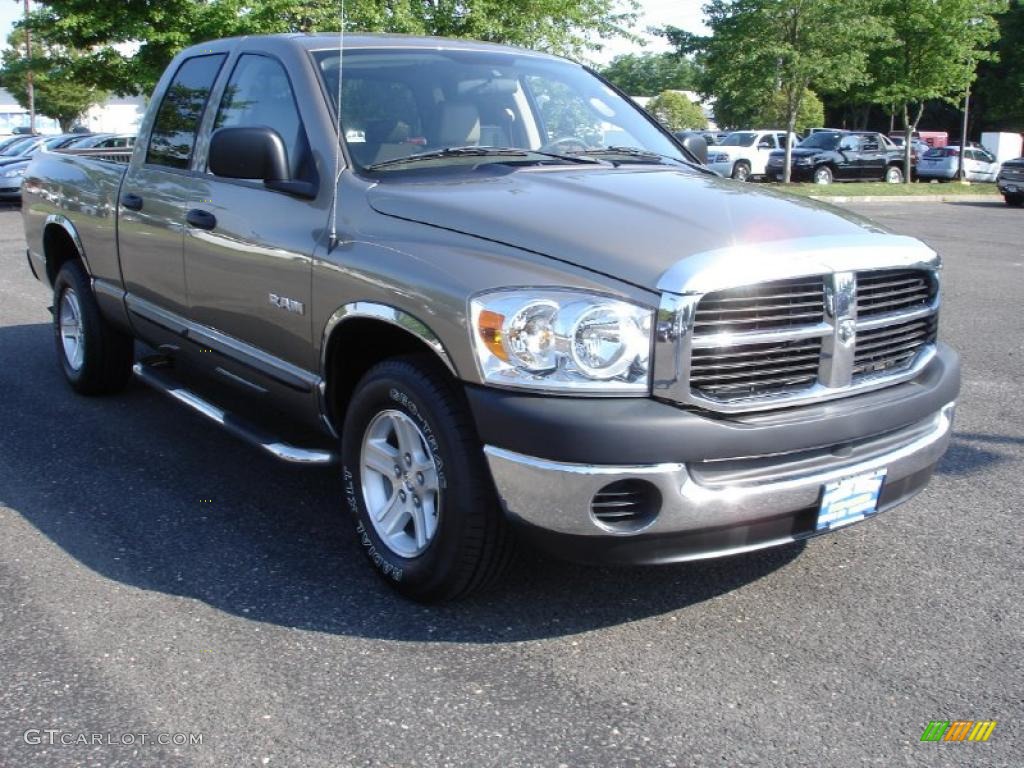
932 138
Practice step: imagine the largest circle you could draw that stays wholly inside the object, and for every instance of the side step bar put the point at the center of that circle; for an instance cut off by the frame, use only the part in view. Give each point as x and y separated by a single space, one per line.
233 424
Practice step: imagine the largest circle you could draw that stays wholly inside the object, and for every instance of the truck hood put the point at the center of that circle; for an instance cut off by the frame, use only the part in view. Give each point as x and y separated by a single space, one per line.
630 224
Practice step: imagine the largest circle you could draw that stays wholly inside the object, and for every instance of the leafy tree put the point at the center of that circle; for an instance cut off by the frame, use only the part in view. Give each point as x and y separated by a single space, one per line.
164 28
779 46
810 115
932 53
57 75
647 74
1001 81
676 112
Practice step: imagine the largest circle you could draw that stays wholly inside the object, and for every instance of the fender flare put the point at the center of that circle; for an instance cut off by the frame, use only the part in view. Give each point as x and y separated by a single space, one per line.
63 222
361 310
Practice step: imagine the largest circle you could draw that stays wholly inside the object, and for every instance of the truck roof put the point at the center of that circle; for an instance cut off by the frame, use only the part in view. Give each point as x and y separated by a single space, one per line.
362 40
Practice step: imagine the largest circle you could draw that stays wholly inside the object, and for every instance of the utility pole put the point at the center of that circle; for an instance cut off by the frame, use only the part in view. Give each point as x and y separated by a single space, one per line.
31 84
961 173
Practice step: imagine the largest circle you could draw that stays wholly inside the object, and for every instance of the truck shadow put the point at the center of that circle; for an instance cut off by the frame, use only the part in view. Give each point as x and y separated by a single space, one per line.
155 498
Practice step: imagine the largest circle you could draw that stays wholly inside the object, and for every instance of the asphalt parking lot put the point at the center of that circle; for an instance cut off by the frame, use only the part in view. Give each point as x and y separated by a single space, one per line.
159 577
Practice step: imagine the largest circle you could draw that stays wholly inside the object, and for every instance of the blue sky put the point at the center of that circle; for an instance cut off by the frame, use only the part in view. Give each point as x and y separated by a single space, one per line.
678 13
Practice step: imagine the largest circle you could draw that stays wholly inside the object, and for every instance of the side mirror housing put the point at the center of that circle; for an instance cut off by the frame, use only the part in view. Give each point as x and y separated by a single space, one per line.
697 146
255 152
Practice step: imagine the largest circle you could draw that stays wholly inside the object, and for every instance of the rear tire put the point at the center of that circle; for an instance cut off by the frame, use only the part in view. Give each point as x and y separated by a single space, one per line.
1014 201
893 175
410 419
741 171
96 357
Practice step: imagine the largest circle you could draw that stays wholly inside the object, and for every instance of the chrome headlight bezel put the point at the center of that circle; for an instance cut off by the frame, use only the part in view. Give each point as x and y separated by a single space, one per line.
553 340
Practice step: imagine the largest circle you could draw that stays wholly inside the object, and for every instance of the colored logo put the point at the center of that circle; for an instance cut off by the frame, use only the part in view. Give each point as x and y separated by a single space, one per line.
958 730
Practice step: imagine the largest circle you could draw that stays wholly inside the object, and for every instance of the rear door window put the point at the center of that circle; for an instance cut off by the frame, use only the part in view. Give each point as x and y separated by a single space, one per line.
174 130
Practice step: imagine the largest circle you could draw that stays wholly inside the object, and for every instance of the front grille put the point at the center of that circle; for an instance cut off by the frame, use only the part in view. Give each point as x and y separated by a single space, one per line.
1014 172
893 346
893 290
768 306
803 339
752 369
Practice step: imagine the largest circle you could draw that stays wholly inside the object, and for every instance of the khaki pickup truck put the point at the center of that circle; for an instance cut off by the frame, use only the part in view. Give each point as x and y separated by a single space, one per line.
507 304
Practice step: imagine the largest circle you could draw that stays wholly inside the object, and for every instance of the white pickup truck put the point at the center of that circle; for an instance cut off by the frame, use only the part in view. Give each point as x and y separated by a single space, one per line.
743 154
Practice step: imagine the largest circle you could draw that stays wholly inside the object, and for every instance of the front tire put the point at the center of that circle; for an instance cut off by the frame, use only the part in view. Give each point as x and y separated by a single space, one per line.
96 358
893 175
823 175
1014 201
417 484
741 171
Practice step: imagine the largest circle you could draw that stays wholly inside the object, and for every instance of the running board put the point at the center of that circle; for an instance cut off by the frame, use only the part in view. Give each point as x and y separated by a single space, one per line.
233 424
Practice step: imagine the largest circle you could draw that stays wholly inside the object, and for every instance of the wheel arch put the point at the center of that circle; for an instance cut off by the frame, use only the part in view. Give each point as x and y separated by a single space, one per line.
61 243
360 335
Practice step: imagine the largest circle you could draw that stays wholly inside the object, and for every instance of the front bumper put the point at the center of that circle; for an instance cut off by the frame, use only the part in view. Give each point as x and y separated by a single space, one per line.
723 485
722 169
1010 187
706 511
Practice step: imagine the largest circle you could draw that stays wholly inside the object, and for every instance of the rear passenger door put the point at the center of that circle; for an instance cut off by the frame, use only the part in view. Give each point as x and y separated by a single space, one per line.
249 249
871 163
151 215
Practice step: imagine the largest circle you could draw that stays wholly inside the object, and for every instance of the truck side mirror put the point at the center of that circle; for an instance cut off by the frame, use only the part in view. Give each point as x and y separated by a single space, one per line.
255 152
697 146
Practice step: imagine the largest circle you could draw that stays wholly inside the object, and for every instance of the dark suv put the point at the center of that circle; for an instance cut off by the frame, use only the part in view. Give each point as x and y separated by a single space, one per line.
827 156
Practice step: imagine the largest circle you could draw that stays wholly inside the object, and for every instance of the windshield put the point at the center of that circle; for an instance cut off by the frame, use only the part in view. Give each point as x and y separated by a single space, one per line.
821 140
400 103
738 139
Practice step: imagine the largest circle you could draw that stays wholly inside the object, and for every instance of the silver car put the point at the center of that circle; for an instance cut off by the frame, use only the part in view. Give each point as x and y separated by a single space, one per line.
944 163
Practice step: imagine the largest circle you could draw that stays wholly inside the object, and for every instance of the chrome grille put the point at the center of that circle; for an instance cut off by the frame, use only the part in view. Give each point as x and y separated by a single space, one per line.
893 290
750 369
1014 172
781 304
891 347
796 340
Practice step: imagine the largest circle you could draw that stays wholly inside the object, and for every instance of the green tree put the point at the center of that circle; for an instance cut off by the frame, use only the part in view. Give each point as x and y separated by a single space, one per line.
779 46
676 112
57 75
164 28
648 74
1000 91
810 115
932 53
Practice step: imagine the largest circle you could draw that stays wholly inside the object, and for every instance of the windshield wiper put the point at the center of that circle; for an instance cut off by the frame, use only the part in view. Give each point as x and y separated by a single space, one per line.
475 151
644 154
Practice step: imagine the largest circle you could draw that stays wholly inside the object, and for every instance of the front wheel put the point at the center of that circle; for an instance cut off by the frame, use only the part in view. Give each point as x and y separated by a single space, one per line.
741 171
893 175
417 485
96 358
823 175
1014 201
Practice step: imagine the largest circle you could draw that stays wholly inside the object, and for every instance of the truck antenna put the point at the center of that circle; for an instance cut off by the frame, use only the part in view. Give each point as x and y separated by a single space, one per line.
337 124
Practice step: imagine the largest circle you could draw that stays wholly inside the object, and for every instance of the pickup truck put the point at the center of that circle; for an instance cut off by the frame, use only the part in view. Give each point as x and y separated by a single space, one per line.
826 156
500 327
744 154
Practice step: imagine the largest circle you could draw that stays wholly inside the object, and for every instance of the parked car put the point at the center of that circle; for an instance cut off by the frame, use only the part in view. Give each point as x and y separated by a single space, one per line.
12 167
744 154
105 141
918 147
943 163
827 156
931 138
489 318
1011 182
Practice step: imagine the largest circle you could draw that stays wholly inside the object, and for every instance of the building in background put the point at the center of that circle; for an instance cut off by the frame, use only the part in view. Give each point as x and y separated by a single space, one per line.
117 115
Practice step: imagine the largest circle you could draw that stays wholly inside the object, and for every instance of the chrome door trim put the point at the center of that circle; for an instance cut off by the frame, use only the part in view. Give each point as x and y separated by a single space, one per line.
251 357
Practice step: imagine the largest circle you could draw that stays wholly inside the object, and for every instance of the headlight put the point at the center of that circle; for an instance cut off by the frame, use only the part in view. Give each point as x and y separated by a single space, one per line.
560 340
718 157
18 172
803 160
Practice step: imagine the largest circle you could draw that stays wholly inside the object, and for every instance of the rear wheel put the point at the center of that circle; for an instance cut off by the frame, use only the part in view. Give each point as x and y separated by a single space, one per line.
96 357
1014 201
741 171
893 175
417 484
823 175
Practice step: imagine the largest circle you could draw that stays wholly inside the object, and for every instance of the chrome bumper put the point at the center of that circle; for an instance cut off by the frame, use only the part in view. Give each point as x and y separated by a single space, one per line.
556 497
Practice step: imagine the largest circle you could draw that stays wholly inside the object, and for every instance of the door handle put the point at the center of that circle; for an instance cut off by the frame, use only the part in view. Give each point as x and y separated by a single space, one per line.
131 202
201 219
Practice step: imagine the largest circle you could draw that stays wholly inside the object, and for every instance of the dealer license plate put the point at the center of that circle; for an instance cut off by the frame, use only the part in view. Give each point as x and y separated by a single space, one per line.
849 500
